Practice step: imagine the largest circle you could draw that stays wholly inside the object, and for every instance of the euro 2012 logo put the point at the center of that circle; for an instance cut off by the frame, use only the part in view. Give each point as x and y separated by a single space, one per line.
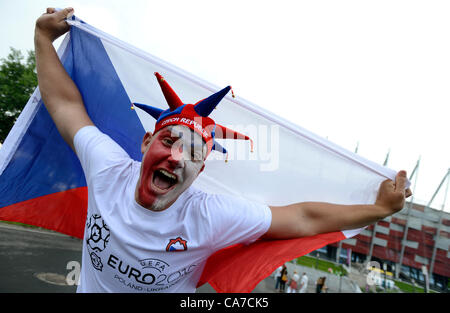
97 233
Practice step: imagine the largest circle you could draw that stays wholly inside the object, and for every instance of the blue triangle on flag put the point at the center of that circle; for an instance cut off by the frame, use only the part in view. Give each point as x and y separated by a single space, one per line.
43 163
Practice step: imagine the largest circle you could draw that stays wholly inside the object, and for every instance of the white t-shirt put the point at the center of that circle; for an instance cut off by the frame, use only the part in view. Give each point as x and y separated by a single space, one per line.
128 248
304 281
278 272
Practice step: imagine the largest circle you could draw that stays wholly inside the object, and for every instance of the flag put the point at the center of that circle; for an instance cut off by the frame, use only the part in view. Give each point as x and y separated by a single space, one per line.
42 183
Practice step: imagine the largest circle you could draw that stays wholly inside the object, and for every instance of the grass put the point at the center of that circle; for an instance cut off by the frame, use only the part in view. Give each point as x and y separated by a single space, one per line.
321 264
408 288
405 287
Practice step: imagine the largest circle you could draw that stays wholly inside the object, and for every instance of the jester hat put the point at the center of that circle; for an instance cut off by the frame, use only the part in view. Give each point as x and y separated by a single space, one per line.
193 116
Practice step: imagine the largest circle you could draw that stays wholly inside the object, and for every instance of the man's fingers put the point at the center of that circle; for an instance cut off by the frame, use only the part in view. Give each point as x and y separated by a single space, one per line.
60 15
49 11
408 193
400 181
65 13
388 184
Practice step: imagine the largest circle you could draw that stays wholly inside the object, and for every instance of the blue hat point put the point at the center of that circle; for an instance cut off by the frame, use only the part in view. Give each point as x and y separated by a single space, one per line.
218 147
155 112
207 105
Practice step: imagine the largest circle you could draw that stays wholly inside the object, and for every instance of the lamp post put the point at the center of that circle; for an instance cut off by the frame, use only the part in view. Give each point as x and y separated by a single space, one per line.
425 274
393 273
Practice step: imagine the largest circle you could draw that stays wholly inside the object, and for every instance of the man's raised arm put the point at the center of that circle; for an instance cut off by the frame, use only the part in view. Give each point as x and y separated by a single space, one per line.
59 93
312 218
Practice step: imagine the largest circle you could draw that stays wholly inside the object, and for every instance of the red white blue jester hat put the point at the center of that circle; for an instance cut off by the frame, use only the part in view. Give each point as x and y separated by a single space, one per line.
193 116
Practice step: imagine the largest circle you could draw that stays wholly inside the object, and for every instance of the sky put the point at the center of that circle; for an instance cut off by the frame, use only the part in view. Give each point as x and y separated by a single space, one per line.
375 73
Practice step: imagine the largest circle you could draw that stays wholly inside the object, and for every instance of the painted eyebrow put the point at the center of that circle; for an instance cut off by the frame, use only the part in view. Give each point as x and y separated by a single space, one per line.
168 132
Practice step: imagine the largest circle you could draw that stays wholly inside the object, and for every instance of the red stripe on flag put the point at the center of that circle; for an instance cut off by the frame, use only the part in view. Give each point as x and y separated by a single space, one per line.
64 212
240 268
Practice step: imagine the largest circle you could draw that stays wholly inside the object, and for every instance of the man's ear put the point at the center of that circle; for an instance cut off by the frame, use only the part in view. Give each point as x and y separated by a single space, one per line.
146 142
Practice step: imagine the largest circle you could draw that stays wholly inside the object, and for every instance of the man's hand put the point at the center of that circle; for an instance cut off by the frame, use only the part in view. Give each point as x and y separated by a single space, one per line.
51 25
312 218
391 195
61 96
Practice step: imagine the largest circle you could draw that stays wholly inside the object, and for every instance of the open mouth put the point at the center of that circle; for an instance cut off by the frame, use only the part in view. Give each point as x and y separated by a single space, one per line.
164 180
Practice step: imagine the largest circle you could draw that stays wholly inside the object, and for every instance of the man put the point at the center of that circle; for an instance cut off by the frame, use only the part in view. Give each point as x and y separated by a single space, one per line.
278 277
147 228
303 283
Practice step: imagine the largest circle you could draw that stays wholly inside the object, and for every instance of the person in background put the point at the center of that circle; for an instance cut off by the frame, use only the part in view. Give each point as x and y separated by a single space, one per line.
303 283
284 278
278 277
320 284
293 283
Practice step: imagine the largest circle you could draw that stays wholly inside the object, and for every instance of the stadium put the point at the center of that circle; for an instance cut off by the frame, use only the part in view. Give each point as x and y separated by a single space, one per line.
407 244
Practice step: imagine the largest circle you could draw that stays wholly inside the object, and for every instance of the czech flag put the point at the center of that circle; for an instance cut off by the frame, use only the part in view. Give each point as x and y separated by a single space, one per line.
42 183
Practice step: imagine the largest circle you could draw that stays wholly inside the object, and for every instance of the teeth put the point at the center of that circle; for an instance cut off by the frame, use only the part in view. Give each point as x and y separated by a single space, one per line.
167 174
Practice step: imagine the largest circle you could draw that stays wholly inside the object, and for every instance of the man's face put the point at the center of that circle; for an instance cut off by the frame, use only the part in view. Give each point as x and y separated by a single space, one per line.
172 159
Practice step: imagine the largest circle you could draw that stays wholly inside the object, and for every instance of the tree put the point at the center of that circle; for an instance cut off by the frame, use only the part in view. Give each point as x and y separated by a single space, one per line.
17 82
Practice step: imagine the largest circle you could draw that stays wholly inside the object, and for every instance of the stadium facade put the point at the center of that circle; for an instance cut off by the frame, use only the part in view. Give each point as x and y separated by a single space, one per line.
405 242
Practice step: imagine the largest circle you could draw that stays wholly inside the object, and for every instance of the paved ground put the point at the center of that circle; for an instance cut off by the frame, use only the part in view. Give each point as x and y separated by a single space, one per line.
332 281
265 286
34 260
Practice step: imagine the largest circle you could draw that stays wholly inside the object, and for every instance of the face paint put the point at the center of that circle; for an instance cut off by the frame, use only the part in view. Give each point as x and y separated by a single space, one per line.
172 161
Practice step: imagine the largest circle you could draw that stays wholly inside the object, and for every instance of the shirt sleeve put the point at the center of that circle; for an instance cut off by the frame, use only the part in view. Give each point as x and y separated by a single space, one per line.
236 220
97 151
